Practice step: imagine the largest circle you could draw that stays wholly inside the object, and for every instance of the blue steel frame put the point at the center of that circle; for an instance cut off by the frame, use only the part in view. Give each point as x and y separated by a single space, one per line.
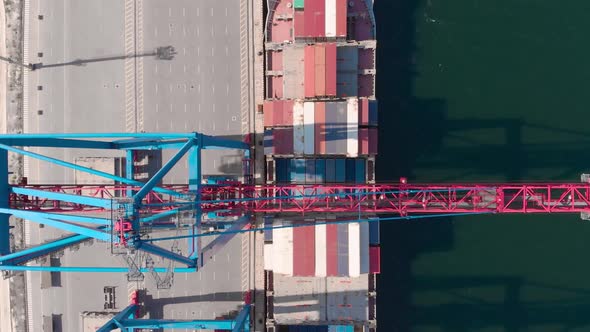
84 227
126 321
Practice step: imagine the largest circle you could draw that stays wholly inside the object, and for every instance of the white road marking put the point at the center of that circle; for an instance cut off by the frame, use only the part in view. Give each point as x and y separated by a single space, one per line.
184 69
157 108
183 11
156 68
212 32
171 107
198 32
213 68
212 51
184 51
198 12
156 88
155 31
211 11
227 90
170 11
226 31
225 11
185 107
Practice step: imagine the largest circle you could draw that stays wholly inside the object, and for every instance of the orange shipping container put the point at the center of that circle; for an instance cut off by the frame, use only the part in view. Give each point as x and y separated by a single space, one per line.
309 65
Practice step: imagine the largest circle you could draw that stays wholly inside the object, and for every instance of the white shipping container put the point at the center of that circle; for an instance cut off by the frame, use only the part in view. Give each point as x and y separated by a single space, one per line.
308 123
330 18
354 250
268 253
320 251
352 128
298 128
364 243
283 250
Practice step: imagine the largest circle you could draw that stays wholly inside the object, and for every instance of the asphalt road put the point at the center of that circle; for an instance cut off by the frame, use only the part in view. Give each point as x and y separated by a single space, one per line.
198 90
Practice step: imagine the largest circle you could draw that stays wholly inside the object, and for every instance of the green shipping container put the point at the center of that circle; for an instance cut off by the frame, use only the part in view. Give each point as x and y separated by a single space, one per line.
298 4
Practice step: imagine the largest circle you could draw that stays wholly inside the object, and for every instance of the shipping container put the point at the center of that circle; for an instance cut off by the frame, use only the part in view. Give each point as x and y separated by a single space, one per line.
341 15
343 268
375 259
282 169
275 87
341 328
330 171
330 69
320 250
282 141
340 170
309 60
363 111
360 171
282 250
373 136
342 123
332 249
374 237
354 250
320 70
320 171
268 255
364 141
309 128
299 24
320 124
347 71
320 19
297 170
310 171
298 128
330 27
304 251
350 171
306 328
268 113
298 4
352 145
268 142
293 72
373 114
276 60
364 247
267 230
309 16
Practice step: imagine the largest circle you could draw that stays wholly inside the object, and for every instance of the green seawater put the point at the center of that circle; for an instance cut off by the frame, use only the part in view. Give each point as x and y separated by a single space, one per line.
484 90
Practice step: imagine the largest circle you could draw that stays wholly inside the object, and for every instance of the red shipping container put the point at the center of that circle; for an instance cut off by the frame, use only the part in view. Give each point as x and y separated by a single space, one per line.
276 87
330 69
320 70
268 113
309 16
283 140
299 24
320 130
304 251
363 112
364 141
373 134
331 250
309 78
375 260
278 113
341 13
320 18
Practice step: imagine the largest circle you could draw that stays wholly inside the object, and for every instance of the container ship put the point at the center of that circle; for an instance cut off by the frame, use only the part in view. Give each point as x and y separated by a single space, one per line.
320 120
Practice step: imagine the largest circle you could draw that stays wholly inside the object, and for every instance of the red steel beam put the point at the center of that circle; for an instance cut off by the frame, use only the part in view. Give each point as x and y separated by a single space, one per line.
402 199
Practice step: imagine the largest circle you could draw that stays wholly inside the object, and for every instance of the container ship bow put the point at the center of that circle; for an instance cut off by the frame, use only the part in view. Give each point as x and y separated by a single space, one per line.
320 119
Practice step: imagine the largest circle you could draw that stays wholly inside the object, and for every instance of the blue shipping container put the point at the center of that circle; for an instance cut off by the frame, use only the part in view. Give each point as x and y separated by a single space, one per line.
320 171
282 170
310 171
341 328
309 328
374 236
360 171
268 147
350 171
330 170
340 170
373 115
297 171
